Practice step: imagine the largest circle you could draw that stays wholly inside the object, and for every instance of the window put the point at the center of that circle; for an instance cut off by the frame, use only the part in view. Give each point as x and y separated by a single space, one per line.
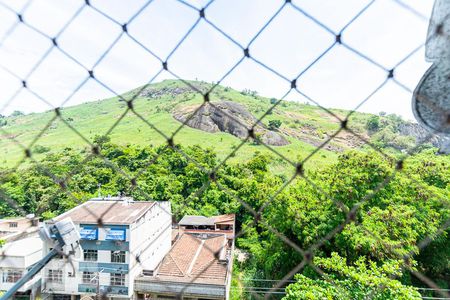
13 224
118 257
117 279
90 255
12 276
54 276
90 277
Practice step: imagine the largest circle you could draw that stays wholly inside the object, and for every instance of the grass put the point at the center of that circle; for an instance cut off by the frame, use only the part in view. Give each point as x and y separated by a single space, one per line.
102 117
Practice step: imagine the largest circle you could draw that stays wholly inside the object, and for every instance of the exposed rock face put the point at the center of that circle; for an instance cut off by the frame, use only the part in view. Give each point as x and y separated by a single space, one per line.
419 133
227 116
156 93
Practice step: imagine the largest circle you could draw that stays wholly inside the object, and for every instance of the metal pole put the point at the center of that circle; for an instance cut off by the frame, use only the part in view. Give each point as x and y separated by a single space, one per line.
33 271
98 285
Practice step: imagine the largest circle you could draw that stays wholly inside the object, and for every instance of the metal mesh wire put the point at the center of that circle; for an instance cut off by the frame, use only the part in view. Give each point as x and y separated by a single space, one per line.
269 288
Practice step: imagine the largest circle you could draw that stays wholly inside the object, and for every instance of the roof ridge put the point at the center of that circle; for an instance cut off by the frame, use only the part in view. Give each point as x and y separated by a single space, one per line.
175 262
197 253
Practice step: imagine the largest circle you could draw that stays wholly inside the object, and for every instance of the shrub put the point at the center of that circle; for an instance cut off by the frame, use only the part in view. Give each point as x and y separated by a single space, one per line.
373 123
40 149
274 124
17 113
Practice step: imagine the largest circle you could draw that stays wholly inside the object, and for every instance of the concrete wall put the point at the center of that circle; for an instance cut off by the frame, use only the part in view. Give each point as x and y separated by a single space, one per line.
19 263
150 240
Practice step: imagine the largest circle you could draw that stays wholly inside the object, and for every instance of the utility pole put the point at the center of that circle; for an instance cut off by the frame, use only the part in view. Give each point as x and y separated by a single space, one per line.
98 284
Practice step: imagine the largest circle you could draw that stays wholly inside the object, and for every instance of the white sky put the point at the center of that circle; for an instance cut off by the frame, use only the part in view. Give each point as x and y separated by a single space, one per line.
386 32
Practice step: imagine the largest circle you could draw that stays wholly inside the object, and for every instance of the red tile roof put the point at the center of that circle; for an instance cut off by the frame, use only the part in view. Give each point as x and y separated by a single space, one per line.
194 258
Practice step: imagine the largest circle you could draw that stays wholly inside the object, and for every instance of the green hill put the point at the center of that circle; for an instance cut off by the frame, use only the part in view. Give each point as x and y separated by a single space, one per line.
304 126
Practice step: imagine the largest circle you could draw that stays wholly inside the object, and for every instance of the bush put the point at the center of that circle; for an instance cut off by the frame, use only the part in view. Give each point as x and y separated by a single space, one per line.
373 123
101 139
17 113
274 124
40 149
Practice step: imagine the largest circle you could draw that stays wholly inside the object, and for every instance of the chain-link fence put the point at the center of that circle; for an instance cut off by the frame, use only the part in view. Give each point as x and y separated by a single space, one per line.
213 175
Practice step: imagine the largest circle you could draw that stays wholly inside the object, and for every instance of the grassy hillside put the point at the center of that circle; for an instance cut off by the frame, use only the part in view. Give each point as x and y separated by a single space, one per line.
305 126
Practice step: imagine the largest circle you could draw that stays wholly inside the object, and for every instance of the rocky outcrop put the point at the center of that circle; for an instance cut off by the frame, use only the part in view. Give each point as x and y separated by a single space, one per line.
157 93
419 133
227 116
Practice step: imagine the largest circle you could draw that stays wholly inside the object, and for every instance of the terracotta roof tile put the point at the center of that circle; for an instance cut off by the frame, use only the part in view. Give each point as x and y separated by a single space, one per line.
193 256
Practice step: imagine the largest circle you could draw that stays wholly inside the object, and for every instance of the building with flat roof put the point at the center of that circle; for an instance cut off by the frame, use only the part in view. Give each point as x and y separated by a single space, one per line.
219 224
12 229
16 258
120 239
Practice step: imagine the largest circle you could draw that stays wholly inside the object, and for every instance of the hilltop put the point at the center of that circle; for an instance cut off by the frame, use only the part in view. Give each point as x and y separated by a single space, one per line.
293 129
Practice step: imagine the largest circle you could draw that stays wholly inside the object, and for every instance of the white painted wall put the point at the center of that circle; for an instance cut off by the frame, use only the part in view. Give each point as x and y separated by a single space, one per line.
150 240
19 263
149 237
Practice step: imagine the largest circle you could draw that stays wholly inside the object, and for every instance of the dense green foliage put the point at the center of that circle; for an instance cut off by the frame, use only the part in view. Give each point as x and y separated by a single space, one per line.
399 205
274 124
352 282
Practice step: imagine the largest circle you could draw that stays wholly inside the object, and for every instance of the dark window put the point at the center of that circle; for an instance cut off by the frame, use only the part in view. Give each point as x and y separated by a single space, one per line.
118 279
11 276
13 224
90 277
90 255
54 276
118 257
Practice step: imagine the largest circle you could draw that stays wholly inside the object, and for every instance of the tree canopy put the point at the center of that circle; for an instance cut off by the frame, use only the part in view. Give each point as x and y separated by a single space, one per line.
397 204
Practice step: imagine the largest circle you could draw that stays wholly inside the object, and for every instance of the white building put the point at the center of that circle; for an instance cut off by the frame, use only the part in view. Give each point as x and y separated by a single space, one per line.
12 229
131 239
16 258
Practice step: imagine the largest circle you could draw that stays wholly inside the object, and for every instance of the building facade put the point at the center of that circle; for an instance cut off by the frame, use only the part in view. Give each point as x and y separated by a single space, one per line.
13 229
17 258
131 239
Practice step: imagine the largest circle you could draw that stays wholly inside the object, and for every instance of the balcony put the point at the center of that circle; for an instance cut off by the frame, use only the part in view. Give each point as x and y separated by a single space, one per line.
86 266
104 289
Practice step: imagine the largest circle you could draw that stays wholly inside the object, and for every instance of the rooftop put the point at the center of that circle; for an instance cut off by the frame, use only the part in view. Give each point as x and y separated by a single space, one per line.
195 258
196 221
205 221
22 247
109 210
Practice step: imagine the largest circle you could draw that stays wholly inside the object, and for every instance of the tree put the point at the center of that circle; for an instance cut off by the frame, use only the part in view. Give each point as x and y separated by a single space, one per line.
3 121
373 123
17 113
101 139
274 124
351 281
